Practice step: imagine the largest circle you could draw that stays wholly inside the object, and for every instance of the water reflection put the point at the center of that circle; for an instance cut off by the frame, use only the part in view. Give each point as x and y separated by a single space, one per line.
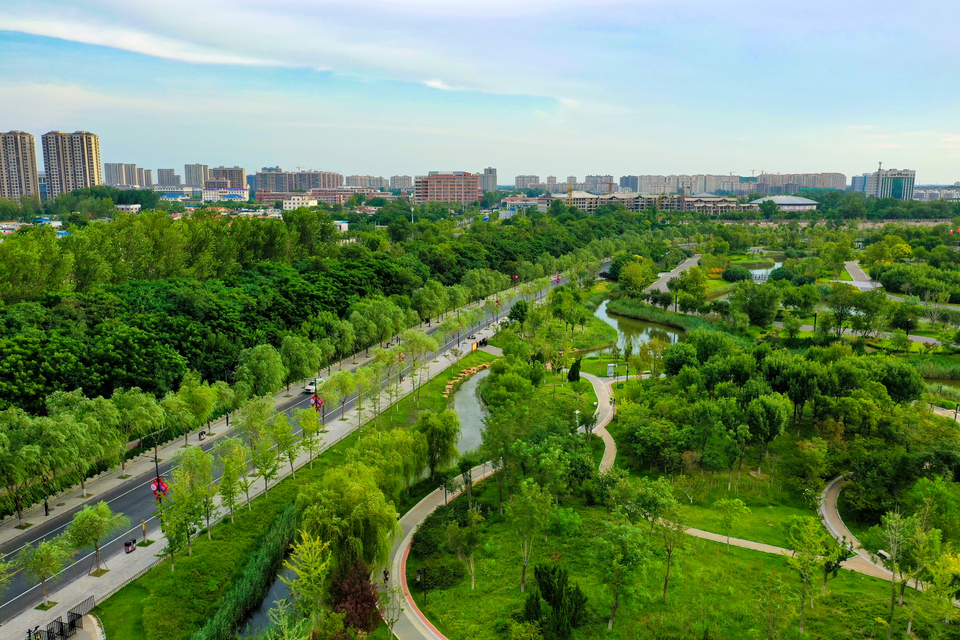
469 407
260 619
637 331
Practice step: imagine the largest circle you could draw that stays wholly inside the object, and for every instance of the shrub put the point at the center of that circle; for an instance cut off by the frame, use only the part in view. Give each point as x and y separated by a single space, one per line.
443 572
565 522
248 592
736 274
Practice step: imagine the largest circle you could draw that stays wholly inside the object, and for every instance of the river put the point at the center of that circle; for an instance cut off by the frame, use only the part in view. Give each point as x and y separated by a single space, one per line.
469 407
638 331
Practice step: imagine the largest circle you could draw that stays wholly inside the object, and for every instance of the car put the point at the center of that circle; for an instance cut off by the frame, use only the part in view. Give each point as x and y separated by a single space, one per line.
311 387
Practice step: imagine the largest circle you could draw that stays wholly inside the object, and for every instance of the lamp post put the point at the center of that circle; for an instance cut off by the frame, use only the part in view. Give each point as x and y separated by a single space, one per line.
814 321
577 414
422 581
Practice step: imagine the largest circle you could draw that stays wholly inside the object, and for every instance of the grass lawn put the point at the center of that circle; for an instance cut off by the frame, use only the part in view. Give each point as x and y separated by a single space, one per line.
845 275
713 593
762 524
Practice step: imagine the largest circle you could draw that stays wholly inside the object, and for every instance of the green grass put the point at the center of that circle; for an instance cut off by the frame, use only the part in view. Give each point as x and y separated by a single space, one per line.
762 524
845 275
122 614
713 593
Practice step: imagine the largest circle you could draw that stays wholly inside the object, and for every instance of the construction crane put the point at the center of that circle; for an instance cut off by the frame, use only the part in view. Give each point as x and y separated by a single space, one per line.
569 195
610 186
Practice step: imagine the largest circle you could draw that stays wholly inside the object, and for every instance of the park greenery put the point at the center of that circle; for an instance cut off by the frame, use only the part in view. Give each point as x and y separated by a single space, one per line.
129 333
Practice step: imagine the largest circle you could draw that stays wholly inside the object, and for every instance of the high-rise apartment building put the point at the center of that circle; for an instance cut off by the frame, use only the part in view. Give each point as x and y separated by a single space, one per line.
401 182
236 175
367 182
168 178
276 179
571 180
196 175
630 183
488 180
42 181
891 183
71 161
524 182
18 166
859 183
117 174
447 186
145 178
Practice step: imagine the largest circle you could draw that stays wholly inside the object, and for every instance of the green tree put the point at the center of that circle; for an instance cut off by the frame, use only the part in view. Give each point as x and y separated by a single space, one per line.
44 560
286 440
463 540
348 510
441 432
140 413
199 397
311 430
92 524
621 552
184 513
340 387
265 459
198 465
674 532
730 510
899 341
310 560
767 417
301 358
807 539
231 453
527 515
261 371
894 532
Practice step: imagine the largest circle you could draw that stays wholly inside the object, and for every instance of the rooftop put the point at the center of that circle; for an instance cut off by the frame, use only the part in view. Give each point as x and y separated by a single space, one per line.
786 200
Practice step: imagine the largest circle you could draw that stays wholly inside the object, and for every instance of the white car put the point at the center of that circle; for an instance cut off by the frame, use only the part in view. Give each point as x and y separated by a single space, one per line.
311 387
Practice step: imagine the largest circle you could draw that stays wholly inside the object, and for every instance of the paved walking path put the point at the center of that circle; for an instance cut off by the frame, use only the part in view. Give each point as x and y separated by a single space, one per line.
661 284
126 567
881 334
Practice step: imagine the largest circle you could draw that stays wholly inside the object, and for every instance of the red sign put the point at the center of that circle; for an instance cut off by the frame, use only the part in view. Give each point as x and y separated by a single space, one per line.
316 401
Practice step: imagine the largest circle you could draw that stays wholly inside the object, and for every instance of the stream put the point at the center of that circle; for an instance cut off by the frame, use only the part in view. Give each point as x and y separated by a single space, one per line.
639 331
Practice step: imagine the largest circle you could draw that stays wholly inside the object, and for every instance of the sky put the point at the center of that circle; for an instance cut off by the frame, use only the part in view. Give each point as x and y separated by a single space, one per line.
566 87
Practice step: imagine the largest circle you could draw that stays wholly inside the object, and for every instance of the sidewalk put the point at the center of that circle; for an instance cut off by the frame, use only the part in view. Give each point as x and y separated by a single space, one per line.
124 568
661 284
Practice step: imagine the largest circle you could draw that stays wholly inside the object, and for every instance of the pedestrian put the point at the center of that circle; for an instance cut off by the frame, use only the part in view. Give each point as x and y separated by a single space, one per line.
386 577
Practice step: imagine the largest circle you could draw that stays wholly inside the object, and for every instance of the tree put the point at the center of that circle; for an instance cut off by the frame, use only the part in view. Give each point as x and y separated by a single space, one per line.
899 341
573 375
340 387
261 372
199 396
674 532
653 498
807 539
518 313
310 560
301 358
620 552
287 442
842 302
184 513
894 531
44 560
198 466
527 515
310 430
348 510
463 540
767 417
232 455
90 525
139 414
265 460
442 433
731 511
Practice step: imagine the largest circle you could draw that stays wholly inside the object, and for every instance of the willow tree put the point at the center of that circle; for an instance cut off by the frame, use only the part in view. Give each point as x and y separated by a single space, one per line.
347 509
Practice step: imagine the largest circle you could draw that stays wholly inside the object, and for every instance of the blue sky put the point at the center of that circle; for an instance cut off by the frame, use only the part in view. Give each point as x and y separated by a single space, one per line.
553 88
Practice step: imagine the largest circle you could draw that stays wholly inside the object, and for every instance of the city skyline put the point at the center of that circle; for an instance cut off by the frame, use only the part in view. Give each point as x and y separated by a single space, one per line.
620 91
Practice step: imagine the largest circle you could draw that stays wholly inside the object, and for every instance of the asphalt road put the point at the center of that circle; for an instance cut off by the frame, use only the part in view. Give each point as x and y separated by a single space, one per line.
135 500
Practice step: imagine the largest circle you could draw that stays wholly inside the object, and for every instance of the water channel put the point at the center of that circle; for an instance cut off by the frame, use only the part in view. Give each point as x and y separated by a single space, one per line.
637 331
260 619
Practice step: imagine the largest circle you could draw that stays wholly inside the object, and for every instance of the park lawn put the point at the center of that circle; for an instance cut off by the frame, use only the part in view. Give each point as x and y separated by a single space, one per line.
845 275
122 614
715 284
714 593
762 524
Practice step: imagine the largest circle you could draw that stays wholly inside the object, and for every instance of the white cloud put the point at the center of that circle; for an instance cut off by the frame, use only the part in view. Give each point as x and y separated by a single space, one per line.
439 84
128 39
568 102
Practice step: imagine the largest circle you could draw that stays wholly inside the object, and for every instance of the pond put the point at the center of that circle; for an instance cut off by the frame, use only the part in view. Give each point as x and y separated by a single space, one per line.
761 274
260 619
946 382
638 331
469 408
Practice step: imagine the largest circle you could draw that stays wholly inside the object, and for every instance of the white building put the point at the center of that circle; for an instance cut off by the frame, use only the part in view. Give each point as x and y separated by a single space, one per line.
129 208
342 225
790 203
295 202
218 195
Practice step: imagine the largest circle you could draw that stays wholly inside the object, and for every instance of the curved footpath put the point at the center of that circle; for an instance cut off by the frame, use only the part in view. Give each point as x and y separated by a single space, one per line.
413 625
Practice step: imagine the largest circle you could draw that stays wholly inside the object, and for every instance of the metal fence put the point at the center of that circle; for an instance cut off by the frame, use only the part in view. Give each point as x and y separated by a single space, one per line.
58 628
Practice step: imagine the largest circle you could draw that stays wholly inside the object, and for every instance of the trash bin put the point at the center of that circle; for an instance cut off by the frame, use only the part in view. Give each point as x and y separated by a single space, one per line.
130 546
203 436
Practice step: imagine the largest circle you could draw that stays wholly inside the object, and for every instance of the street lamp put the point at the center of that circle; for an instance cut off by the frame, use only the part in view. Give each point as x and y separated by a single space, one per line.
814 321
422 581
577 414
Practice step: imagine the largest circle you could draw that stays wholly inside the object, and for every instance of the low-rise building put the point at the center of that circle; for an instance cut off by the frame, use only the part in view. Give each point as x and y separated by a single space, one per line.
220 195
298 200
708 204
789 203
129 208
